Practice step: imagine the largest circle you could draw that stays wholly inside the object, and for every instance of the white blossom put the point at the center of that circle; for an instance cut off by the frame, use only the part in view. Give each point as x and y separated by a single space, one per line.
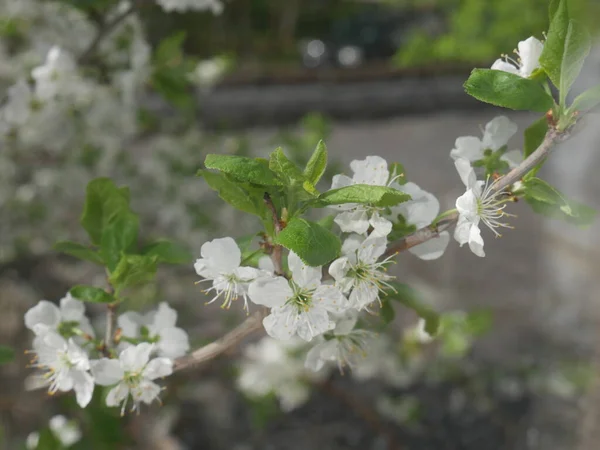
208 72
58 76
18 107
157 327
220 262
420 211
496 135
66 431
345 347
356 218
46 316
480 203
32 440
270 366
65 364
133 374
359 272
299 306
529 52
418 333
191 5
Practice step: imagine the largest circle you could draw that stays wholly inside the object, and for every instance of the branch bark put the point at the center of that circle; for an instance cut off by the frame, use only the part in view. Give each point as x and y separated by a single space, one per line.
429 232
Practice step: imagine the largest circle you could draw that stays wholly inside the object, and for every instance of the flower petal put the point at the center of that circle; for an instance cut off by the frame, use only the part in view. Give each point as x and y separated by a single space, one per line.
372 248
270 292
83 385
304 276
476 242
71 309
158 368
330 298
117 395
466 205
513 158
313 323
165 317
266 263
313 360
467 147
146 391
42 317
381 226
356 221
130 323
504 66
462 230
497 132
106 371
174 342
339 268
363 295
530 51
282 323
133 359
433 248
339 181
372 170
223 254
466 172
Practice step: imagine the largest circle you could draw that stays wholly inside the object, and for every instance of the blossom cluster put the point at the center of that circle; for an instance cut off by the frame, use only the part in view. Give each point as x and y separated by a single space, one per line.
66 432
70 358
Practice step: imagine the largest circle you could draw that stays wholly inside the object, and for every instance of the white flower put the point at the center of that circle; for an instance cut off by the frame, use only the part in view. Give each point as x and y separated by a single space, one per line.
372 170
194 5
359 271
57 76
46 316
158 327
420 211
299 306
270 367
66 431
18 107
496 135
66 366
32 440
132 374
481 202
345 348
528 59
419 334
220 262
208 72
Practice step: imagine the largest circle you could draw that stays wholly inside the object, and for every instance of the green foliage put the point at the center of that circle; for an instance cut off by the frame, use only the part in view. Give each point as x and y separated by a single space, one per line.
78 251
508 90
91 294
233 193
167 252
289 174
577 46
587 100
241 168
7 354
492 161
547 200
315 168
133 270
387 312
534 135
119 236
407 296
380 196
48 441
314 244
458 330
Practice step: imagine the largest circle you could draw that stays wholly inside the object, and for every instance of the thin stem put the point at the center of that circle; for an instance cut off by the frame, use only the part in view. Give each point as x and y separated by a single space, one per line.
277 253
111 319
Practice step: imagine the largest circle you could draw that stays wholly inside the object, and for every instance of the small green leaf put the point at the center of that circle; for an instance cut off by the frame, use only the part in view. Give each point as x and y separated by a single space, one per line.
554 47
534 136
104 200
587 100
578 43
327 221
78 251
387 312
133 270
508 90
285 169
409 298
91 294
7 354
48 441
552 8
168 252
314 244
120 235
251 170
380 196
315 168
230 191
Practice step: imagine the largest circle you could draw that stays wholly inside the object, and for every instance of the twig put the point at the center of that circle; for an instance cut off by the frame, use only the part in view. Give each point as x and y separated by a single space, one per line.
104 30
429 232
276 254
221 345
111 318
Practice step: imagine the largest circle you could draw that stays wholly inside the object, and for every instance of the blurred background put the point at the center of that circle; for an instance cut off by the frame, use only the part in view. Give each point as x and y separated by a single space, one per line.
159 87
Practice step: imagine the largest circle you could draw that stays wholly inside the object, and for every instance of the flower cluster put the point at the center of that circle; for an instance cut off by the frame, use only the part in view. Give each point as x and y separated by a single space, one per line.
71 358
66 432
321 304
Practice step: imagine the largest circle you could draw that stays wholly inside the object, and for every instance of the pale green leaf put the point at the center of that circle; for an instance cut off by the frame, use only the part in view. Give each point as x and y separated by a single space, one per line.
251 170
314 244
91 294
78 251
315 168
367 194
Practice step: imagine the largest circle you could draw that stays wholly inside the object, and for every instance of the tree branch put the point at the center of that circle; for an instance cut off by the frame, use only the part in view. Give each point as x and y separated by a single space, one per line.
223 344
429 232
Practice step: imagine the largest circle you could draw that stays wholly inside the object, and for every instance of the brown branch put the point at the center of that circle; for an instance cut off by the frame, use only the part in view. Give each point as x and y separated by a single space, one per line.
429 232
223 344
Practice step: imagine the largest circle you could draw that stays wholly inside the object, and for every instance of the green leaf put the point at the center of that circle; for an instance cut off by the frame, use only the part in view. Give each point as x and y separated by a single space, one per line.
285 169
554 47
251 170
552 8
578 43
168 252
314 244
367 194
327 221
78 251
104 200
133 270
118 236
315 168
387 312
508 90
534 136
91 294
230 191
7 354
587 100
48 441
409 298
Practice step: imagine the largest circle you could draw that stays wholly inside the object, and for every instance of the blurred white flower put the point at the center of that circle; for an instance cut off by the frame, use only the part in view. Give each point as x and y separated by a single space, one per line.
496 135
46 316
216 6
208 72
133 374
529 52
66 431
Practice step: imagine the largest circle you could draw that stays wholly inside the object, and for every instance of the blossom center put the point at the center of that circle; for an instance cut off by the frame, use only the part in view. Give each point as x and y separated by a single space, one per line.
302 298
